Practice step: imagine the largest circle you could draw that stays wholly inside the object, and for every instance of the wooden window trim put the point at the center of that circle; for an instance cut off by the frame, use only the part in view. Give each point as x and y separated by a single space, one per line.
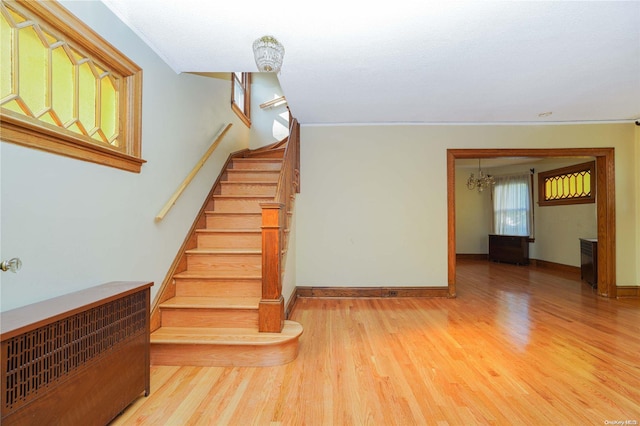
245 115
590 166
29 132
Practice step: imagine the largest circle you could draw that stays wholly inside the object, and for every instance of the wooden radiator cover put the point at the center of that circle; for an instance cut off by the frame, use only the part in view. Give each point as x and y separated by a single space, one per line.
509 248
76 359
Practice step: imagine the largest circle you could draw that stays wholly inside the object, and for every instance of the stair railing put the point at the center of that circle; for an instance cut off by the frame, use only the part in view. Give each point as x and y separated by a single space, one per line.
172 201
275 217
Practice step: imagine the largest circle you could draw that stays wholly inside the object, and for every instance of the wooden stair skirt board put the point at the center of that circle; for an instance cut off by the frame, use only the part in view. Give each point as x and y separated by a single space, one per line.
372 292
210 315
225 347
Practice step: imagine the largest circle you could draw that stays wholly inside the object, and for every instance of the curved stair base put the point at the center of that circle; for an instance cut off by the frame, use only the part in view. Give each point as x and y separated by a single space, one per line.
225 347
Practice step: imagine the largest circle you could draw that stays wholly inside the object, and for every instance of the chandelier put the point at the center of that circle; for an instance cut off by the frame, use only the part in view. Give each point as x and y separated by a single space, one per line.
481 182
268 53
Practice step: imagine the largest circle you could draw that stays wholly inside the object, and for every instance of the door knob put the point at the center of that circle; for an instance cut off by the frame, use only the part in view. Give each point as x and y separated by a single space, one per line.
12 265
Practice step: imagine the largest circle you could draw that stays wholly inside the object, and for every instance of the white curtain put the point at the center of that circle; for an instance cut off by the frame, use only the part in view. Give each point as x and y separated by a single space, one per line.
512 205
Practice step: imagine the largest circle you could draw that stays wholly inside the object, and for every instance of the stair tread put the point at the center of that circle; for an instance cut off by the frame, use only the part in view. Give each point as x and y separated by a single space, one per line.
223 251
265 159
212 302
203 275
251 182
212 212
229 230
227 336
241 196
251 170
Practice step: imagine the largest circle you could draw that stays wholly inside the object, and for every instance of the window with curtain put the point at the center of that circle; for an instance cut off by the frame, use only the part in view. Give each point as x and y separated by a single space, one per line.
512 205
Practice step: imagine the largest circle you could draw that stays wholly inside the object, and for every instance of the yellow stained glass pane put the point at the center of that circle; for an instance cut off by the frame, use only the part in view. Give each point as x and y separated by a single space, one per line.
580 185
47 118
77 127
108 108
33 65
77 57
550 190
48 37
62 84
17 18
6 62
86 96
13 106
97 135
587 183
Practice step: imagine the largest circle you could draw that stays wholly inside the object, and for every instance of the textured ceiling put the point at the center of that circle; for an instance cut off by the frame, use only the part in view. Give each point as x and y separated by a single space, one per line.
416 62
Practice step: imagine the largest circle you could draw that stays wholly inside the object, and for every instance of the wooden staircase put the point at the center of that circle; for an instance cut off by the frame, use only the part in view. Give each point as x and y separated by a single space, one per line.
212 317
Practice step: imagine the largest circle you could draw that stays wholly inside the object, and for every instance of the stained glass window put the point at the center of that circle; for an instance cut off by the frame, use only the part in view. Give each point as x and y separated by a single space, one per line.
55 90
568 185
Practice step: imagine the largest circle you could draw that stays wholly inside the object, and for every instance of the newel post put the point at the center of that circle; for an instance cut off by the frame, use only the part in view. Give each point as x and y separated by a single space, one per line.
271 308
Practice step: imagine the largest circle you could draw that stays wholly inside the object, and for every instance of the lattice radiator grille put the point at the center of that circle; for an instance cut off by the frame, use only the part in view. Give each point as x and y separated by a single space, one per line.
48 355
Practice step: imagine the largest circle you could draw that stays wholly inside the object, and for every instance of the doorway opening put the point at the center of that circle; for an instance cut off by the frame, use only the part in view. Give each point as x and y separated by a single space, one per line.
605 205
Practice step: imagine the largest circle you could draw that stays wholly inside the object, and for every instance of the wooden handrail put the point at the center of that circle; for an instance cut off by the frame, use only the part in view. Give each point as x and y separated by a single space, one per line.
273 102
193 173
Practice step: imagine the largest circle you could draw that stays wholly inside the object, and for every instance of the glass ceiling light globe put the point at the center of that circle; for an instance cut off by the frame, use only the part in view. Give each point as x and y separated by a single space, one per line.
268 53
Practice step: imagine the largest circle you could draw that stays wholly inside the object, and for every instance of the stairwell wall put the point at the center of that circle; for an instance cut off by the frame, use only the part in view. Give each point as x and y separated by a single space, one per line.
76 224
271 124
373 210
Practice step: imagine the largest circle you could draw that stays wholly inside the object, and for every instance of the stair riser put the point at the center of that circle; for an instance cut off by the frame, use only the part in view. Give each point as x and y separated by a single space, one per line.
234 240
236 265
249 176
245 205
203 317
224 355
259 164
268 190
214 288
271 154
234 222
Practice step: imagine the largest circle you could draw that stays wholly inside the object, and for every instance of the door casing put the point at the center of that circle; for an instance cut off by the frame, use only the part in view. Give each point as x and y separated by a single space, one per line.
605 205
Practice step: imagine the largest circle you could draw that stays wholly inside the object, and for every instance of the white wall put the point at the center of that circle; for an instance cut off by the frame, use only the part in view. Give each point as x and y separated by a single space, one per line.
268 125
76 224
473 215
373 207
370 212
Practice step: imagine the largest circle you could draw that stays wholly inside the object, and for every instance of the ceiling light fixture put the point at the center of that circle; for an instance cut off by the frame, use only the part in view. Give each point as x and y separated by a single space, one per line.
268 53
481 182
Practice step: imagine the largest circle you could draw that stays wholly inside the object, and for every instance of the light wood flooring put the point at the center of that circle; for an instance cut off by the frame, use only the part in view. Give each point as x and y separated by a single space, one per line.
518 346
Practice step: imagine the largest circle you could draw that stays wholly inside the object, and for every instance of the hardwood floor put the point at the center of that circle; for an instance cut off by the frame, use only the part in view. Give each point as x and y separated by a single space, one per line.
518 346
